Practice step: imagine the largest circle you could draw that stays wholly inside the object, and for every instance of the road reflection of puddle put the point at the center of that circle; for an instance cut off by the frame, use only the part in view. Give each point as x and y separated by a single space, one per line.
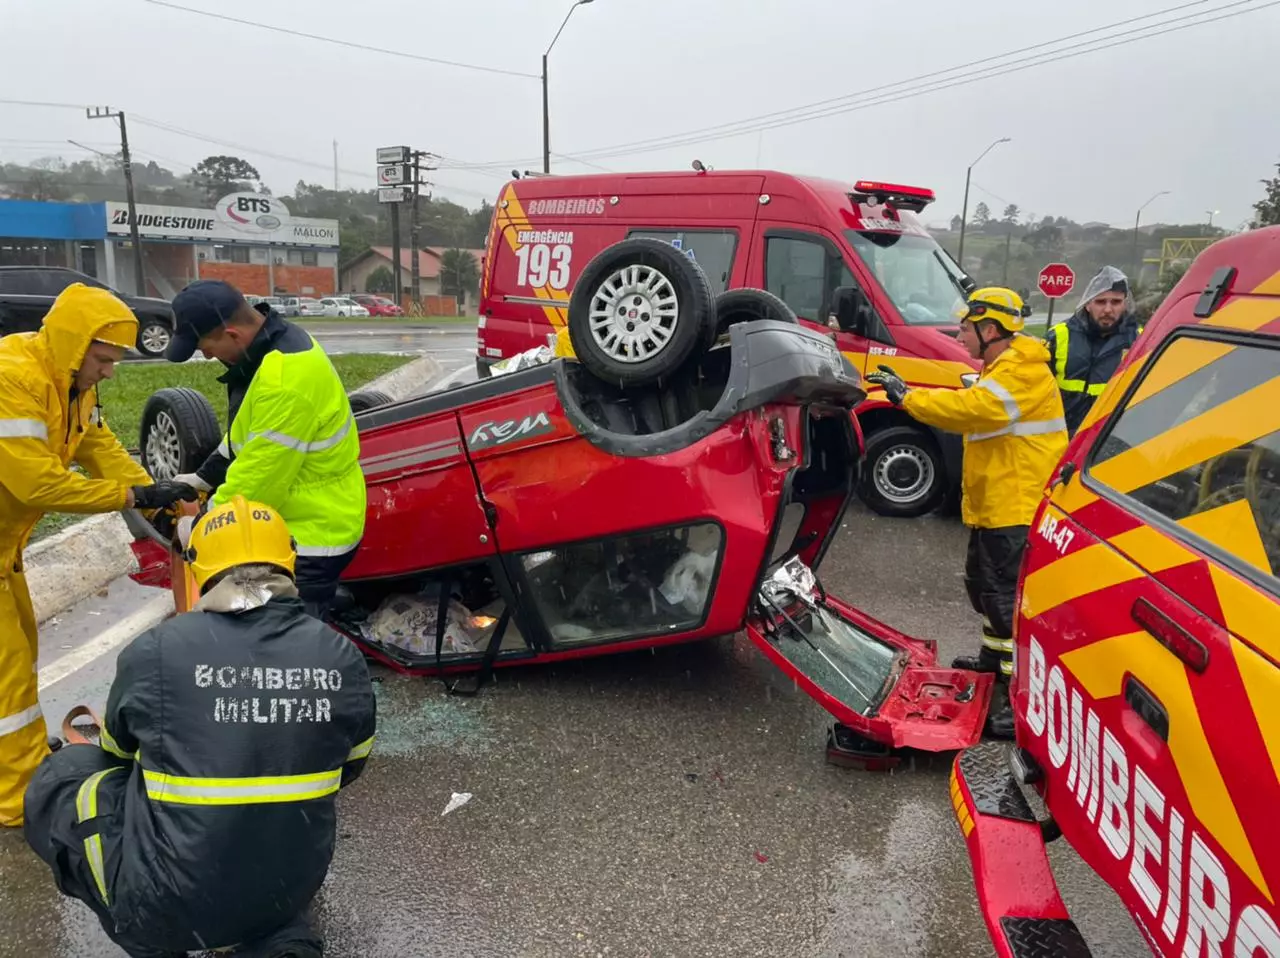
412 719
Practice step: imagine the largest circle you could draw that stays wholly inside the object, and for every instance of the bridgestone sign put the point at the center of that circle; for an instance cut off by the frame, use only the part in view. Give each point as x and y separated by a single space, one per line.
185 223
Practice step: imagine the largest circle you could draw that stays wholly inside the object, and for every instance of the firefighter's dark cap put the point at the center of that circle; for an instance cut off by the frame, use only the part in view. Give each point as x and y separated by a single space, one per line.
198 310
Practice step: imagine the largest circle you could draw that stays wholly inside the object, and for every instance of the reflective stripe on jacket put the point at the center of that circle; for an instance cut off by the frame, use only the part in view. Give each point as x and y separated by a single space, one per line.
44 428
235 731
1083 361
293 442
1014 433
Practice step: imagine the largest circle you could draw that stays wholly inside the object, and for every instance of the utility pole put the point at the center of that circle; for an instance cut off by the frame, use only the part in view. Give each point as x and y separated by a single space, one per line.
335 166
395 250
1008 241
1137 263
964 213
106 113
417 169
546 112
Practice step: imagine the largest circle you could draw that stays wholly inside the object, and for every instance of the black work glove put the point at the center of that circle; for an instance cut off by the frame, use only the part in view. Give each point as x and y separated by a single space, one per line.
162 494
894 385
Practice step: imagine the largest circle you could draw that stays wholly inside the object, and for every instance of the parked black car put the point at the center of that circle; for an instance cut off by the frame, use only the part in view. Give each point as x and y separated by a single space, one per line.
27 292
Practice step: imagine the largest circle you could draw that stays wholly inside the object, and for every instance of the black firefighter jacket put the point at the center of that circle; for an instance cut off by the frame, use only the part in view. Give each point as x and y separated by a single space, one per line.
1083 360
237 731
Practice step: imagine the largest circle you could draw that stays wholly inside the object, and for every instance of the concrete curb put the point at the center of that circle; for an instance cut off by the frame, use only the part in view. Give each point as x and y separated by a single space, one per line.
73 564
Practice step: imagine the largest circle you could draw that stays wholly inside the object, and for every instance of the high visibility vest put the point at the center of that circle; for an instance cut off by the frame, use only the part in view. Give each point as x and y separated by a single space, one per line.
296 448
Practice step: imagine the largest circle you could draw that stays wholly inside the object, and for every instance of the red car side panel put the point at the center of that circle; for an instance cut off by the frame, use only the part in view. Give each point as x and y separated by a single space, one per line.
724 478
419 480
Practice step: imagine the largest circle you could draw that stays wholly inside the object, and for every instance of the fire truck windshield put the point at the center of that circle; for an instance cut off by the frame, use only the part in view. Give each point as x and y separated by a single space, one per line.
923 282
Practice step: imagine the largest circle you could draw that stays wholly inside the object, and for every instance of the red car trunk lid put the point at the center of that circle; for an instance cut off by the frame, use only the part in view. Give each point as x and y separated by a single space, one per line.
872 678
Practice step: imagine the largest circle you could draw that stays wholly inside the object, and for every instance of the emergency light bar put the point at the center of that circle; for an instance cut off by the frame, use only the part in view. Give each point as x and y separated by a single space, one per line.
914 198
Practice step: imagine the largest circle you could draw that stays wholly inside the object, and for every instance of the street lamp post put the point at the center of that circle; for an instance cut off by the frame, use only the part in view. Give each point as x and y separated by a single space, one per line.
546 112
1137 265
964 213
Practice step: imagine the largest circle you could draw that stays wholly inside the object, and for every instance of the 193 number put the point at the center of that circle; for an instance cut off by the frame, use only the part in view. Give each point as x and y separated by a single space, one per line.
542 265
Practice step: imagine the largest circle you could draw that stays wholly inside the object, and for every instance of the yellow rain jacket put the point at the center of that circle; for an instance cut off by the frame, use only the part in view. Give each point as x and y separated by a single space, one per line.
1014 433
43 429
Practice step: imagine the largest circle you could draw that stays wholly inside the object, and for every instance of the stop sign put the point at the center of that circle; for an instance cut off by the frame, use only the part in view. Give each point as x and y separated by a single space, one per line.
1056 280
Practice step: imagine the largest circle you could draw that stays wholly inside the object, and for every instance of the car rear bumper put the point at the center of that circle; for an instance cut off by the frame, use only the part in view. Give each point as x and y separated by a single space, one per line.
1017 893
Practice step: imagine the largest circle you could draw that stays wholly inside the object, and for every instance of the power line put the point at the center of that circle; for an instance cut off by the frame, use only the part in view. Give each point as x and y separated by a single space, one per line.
343 43
45 103
806 114
932 82
257 151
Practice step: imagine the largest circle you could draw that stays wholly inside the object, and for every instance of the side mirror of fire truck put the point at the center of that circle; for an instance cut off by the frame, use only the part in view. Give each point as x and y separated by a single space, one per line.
851 309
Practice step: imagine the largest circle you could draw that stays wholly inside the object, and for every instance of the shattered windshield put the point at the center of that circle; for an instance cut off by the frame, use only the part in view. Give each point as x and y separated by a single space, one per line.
922 281
844 661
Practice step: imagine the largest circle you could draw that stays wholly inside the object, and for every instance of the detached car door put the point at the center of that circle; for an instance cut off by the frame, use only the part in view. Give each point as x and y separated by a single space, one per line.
1149 655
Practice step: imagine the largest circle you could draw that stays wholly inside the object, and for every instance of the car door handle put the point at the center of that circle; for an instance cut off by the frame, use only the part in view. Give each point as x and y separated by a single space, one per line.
1147 707
1170 634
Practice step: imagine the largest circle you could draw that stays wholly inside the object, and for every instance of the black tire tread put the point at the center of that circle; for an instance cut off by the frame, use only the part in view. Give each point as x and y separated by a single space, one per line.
367 399
198 427
745 304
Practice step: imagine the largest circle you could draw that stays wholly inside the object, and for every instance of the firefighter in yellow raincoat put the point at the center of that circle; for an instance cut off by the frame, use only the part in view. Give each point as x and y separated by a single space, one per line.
1014 435
49 418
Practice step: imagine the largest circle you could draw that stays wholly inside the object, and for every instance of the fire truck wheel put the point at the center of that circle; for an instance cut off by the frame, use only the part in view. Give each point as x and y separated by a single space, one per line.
640 312
904 475
179 429
368 399
745 305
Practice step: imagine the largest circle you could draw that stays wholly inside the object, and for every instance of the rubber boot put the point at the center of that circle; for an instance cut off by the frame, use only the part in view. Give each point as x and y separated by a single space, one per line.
1000 722
985 661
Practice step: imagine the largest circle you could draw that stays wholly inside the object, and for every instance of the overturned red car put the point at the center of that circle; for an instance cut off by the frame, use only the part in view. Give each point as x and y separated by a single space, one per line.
681 480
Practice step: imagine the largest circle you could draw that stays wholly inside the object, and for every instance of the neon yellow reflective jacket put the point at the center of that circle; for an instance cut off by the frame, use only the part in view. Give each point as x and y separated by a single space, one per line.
1014 433
293 442
44 429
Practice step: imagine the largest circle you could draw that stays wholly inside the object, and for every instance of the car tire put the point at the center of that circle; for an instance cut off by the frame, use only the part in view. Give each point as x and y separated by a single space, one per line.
154 336
178 432
903 474
667 297
368 399
745 305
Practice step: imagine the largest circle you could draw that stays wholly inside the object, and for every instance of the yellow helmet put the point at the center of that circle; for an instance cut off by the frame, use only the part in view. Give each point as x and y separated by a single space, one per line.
1000 305
239 533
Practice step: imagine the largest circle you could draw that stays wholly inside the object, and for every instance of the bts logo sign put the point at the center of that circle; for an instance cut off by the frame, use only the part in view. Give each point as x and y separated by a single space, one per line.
255 213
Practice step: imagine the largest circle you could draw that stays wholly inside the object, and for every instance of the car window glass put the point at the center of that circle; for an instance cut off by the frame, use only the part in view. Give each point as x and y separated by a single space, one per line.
403 623
1204 451
804 274
712 250
644 584
54 281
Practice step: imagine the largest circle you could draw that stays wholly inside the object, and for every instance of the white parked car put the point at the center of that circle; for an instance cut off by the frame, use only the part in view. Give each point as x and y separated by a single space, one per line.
342 306
310 307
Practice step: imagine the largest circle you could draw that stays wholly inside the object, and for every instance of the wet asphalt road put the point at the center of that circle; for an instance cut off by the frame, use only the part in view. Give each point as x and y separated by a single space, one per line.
672 803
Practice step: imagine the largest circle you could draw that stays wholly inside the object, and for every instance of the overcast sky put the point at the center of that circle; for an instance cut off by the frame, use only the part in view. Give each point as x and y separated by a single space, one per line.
1093 136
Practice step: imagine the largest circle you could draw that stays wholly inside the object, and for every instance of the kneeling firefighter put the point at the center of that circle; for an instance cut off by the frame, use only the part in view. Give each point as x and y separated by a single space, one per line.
206 817
1014 435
